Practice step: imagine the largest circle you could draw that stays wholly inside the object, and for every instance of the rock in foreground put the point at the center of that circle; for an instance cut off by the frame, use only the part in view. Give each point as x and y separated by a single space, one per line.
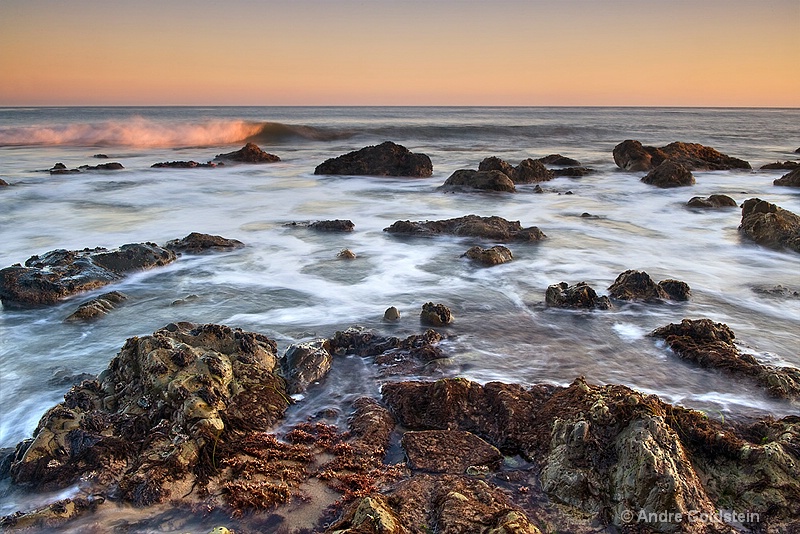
249 153
712 201
789 180
637 285
386 159
494 228
581 295
769 225
61 273
495 255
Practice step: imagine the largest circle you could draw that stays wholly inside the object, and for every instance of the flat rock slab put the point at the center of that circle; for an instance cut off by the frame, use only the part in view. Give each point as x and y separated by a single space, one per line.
449 451
494 228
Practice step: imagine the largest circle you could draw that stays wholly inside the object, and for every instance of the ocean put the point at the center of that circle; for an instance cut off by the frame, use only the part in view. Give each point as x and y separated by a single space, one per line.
289 284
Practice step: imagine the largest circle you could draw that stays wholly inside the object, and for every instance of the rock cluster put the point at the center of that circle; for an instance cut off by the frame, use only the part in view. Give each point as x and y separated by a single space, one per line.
493 228
386 159
60 168
495 174
631 155
769 225
581 295
637 285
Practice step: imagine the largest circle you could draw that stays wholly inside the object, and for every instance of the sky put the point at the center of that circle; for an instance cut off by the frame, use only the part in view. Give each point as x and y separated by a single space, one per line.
401 52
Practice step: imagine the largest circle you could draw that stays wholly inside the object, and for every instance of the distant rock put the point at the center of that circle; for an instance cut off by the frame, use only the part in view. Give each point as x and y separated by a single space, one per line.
493 228
100 156
669 174
464 179
581 295
61 273
489 256
435 315
558 159
528 171
336 225
770 225
637 285
633 156
197 243
183 165
781 165
97 307
386 159
60 168
713 201
573 172
250 153
789 180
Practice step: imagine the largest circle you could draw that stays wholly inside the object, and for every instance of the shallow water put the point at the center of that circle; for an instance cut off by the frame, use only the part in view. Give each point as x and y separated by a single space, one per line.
287 283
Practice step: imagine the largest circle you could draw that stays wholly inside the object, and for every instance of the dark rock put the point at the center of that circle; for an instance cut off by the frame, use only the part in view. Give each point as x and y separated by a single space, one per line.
493 163
484 180
183 165
197 243
676 289
789 180
386 159
97 307
637 285
305 363
769 225
435 315
633 156
448 451
526 172
781 165
100 156
489 256
250 153
494 228
580 295
669 174
574 172
3 183
713 201
60 168
114 166
337 225
710 345
63 376
61 273
558 159
416 354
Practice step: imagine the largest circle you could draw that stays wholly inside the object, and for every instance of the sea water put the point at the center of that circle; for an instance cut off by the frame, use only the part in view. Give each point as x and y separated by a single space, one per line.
289 284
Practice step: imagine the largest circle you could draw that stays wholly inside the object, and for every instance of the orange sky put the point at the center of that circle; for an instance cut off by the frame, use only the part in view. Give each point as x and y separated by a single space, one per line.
400 52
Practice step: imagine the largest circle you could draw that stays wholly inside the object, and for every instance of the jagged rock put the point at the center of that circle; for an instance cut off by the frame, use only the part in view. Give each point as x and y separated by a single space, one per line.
581 295
710 345
789 180
386 159
558 159
183 165
60 273
97 307
394 356
489 256
346 254
336 225
305 363
713 201
769 225
249 153
526 172
449 451
781 165
637 285
483 180
494 228
633 156
435 315
669 174
197 243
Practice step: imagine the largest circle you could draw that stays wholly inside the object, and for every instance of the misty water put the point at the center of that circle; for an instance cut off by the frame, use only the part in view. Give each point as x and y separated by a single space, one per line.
289 284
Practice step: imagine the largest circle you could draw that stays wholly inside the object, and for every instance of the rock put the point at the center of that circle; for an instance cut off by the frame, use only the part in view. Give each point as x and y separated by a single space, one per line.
489 256
346 254
337 225
768 225
558 159
183 165
100 156
580 295
789 180
494 228
637 285
391 314
386 159
305 363
669 174
633 156
710 345
114 166
574 172
526 172
713 201
60 168
48 518
97 307
61 273
197 243
250 153
416 354
144 424
435 315
781 165
448 451
484 180
3 183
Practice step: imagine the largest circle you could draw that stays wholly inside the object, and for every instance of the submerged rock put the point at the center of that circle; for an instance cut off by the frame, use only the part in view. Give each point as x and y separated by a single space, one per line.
789 180
633 156
781 165
581 295
769 225
60 168
197 243
97 307
416 354
249 153
561 161
637 285
712 201
495 255
3 183
61 273
710 345
669 174
526 172
494 228
435 315
183 165
386 159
